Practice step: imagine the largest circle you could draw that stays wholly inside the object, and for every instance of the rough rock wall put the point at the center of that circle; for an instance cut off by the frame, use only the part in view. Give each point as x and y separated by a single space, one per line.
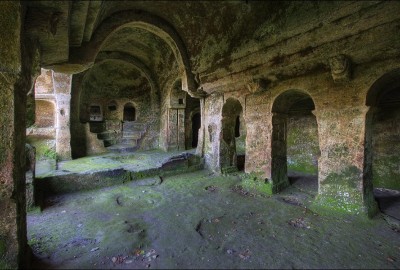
302 143
212 130
10 205
62 89
106 84
78 135
340 112
45 111
386 148
192 107
18 73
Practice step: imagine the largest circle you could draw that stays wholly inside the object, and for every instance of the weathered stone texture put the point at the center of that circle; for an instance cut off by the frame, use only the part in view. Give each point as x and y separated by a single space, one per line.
213 133
302 143
45 111
44 83
62 90
386 148
12 203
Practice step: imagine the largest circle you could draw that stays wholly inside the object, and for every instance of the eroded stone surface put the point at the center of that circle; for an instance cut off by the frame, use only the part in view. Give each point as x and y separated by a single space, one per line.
172 60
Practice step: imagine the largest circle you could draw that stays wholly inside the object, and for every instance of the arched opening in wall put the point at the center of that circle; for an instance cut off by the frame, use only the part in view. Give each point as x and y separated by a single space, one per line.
232 147
295 146
42 135
129 113
95 113
196 123
192 121
382 152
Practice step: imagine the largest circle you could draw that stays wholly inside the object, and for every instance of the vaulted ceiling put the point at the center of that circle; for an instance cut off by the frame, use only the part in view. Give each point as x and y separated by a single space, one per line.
211 42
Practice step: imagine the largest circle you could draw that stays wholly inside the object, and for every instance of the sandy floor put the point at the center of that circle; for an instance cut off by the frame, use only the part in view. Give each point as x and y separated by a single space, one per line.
199 220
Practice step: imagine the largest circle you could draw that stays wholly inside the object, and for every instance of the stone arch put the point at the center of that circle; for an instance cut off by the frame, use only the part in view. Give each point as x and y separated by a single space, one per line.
148 74
231 110
382 135
143 20
125 58
286 106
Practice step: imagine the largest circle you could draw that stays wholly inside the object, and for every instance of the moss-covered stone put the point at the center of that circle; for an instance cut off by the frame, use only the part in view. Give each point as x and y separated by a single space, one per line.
256 183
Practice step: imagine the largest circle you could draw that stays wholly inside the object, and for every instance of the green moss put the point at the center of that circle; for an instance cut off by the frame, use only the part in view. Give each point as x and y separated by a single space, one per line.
90 164
385 171
45 147
3 247
255 182
328 204
241 145
302 144
303 167
4 264
348 178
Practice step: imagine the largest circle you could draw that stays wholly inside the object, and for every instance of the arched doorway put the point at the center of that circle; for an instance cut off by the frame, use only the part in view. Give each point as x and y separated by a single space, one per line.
129 112
196 123
382 147
232 146
295 146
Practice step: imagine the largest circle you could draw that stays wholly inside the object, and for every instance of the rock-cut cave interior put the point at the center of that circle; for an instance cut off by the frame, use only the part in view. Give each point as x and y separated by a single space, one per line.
199 134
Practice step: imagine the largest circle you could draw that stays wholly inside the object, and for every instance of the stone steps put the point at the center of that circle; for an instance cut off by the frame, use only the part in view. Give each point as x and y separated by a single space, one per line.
108 135
128 140
122 148
121 138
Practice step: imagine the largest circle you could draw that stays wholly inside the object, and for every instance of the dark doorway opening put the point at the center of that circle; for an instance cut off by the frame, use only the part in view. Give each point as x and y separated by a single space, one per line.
233 143
129 112
237 127
196 123
382 143
295 145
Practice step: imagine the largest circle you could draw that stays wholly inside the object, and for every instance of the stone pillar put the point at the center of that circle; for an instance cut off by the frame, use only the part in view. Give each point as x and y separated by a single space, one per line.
77 129
278 152
181 129
62 91
258 136
341 164
212 130
200 145
13 92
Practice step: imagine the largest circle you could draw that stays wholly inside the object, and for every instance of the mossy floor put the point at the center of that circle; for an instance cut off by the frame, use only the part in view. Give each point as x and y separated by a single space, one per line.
132 161
199 220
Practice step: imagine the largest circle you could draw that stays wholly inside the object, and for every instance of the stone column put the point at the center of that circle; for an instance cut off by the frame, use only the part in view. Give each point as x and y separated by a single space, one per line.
62 91
258 136
13 90
200 145
212 130
278 152
181 129
342 184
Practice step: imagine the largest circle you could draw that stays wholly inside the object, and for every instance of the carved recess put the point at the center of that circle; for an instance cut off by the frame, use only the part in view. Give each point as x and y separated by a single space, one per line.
340 68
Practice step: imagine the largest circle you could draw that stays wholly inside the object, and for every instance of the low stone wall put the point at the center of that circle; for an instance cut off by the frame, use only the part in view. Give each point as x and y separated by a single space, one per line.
65 182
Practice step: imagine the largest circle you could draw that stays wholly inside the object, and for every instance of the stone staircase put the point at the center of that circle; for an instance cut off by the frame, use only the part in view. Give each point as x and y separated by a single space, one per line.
128 141
109 131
